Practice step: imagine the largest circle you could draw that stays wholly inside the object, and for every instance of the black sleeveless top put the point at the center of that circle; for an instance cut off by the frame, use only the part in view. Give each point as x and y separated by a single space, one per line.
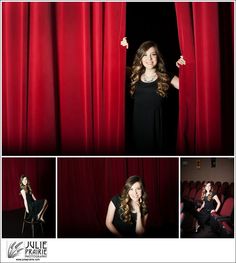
125 229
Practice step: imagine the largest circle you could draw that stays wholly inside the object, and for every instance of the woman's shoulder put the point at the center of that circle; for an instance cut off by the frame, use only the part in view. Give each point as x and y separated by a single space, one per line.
214 194
23 192
116 199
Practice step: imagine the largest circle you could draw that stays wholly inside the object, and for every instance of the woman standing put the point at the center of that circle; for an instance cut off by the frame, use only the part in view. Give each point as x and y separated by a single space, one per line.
150 83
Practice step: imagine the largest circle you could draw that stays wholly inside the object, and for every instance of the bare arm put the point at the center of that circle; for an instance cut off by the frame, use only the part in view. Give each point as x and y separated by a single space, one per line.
25 201
215 197
140 221
175 82
109 218
33 197
141 224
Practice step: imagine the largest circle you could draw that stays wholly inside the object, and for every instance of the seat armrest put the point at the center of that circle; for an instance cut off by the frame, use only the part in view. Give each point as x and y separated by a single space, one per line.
222 218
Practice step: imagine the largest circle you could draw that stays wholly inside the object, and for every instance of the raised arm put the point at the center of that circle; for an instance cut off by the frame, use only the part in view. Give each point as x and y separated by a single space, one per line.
141 221
141 224
25 201
175 80
109 219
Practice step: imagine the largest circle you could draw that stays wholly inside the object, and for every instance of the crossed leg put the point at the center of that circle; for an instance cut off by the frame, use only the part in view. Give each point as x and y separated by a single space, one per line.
42 211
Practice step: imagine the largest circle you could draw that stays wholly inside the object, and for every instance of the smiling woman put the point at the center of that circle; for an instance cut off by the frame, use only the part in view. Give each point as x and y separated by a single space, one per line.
35 209
127 213
150 83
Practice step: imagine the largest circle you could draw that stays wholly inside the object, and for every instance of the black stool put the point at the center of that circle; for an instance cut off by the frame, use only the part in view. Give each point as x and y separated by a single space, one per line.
32 222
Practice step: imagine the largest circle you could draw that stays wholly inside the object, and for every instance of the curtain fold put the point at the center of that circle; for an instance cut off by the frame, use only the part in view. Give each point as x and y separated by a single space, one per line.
86 186
14 76
187 78
41 115
201 101
63 78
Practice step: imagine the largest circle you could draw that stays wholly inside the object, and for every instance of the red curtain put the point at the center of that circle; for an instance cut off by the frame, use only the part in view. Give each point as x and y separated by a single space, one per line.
86 185
202 110
41 173
63 78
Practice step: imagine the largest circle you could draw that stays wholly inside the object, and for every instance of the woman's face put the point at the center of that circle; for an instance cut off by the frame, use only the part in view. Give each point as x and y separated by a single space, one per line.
135 192
24 181
149 59
208 187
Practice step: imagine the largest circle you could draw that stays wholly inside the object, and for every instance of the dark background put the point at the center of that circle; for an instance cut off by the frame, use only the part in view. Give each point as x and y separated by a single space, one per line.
153 21
156 22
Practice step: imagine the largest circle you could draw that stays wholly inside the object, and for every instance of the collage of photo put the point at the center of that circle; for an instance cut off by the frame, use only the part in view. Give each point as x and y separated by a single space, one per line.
118 197
117 123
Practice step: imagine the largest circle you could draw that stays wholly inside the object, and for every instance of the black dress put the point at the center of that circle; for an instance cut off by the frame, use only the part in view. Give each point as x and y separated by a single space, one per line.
148 119
34 206
205 214
125 229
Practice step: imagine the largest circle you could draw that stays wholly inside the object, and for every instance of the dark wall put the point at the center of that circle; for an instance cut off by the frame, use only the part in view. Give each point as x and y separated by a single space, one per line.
153 21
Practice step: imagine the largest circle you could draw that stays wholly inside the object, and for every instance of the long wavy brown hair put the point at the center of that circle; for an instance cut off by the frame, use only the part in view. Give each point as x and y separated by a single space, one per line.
163 80
209 197
26 187
125 205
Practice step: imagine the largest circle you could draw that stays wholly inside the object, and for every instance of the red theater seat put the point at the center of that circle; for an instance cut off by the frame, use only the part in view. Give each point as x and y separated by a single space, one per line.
222 222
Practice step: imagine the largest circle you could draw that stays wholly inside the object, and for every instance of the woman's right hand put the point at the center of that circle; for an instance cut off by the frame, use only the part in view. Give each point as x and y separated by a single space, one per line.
124 42
137 207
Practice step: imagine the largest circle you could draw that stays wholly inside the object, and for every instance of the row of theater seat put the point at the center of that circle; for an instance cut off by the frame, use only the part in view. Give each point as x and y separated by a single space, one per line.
192 190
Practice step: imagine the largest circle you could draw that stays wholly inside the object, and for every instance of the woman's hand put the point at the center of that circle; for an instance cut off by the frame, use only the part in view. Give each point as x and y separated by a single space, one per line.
199 209
212 211
180 62
124 42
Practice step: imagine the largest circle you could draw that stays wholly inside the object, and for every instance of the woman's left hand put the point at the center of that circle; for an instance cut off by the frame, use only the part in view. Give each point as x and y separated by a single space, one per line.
180 62
212 211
